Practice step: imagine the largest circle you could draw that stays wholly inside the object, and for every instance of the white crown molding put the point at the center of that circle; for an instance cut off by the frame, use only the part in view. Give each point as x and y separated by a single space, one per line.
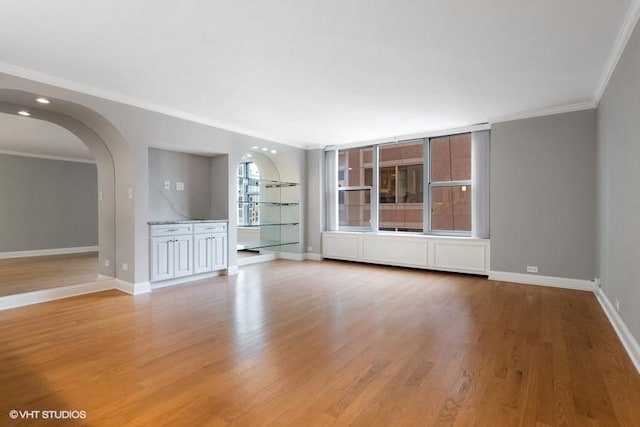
313 147
36 297
46 156
627 339
569 108
410 136
134 102
45 252
628 25
534 279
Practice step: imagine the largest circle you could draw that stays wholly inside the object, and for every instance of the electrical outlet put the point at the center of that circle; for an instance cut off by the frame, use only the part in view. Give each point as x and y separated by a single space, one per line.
167 185
125 266
180 186
107 263
131 193
100 195
532 268
596 281
617 305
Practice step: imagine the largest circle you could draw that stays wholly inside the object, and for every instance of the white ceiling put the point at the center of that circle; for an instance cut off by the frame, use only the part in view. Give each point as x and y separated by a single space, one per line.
318 72
30 136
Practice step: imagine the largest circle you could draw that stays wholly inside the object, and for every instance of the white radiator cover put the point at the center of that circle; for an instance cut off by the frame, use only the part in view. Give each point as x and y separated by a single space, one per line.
457 254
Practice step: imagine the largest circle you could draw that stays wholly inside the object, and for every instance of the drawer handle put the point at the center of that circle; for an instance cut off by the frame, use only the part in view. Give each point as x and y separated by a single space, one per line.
173 229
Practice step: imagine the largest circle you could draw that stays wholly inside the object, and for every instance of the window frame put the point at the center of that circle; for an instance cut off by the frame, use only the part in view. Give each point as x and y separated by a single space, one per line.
428 185
373 193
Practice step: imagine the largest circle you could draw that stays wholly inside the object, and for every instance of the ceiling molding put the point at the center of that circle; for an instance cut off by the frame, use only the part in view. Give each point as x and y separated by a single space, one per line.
569 108
134 102
628 25
409 137
46 156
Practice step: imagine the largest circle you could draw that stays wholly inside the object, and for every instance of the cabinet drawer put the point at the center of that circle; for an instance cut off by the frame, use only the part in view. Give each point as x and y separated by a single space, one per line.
171 229
210 227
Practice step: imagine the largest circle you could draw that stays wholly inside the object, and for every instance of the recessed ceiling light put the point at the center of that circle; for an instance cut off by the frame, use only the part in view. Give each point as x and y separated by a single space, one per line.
273 151
249 155
255 147
24 113
265 149
42 100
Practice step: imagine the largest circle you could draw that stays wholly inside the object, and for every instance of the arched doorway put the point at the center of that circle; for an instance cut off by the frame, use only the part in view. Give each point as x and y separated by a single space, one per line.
114 170
48 209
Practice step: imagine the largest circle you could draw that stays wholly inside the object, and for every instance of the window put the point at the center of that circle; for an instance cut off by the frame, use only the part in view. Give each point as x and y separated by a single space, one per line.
354 188
419 186
401 186
450 183
248 194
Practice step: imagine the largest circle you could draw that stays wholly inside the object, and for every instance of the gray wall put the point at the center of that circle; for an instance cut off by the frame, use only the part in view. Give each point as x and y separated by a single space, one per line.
128 133
47 204
314 211
194 202
221 188
543 195
618 196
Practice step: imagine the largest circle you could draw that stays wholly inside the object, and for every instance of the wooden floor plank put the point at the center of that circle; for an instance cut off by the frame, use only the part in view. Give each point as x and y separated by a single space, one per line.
28 274
321 343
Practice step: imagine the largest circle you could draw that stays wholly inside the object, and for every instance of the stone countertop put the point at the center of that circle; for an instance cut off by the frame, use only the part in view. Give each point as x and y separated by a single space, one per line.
186 221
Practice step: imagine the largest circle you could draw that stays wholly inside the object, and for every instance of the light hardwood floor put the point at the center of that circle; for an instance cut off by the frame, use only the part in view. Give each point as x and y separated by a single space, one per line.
19 275
319 344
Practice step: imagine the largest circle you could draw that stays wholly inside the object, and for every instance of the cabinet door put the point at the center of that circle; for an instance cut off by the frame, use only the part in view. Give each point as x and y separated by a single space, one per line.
219 251
161 258
183 256
202 250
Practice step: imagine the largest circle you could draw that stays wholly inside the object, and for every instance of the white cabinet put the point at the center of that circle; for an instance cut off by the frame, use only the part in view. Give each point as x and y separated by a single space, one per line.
219 244
183 256
203 257
184 249
210 247
161 258
171 251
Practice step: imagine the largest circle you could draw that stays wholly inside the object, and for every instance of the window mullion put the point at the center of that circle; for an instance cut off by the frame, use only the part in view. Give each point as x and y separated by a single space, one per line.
426 188
375 193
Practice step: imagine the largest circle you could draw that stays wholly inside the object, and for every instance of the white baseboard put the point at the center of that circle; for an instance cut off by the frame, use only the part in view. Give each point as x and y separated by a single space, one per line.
534 279
230 271
133 288
44 252
628 341
181 280
257 258
28 298
291 257
313 257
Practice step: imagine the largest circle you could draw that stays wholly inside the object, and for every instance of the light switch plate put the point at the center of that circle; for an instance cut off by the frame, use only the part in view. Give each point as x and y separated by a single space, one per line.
180 186
167 185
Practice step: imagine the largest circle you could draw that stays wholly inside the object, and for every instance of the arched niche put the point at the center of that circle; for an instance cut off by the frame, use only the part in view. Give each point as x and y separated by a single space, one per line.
281 168
114 167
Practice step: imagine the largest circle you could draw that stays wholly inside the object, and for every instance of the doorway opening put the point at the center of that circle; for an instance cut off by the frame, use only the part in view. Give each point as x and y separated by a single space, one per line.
49 236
